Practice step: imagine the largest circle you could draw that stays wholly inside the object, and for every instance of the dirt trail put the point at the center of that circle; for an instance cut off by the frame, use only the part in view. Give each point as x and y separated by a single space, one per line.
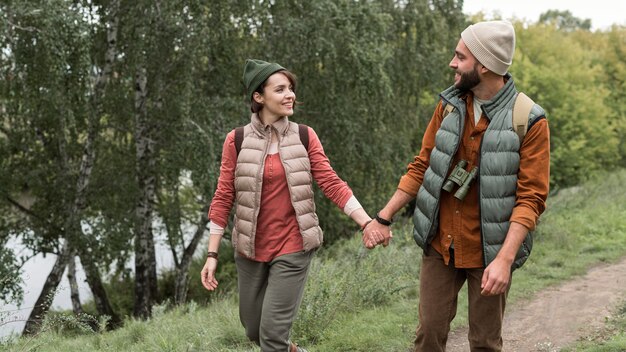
559 316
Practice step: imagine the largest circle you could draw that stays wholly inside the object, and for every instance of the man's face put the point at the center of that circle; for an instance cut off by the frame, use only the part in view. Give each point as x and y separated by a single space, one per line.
465 66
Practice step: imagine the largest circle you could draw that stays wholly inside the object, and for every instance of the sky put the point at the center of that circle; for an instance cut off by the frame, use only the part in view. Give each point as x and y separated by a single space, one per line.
603 13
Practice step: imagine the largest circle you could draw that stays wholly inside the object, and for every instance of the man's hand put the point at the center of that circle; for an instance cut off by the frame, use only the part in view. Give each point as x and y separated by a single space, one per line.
375 234
208 274
496 277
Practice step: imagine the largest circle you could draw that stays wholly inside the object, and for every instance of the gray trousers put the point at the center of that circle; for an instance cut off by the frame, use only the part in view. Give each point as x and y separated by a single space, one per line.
269 297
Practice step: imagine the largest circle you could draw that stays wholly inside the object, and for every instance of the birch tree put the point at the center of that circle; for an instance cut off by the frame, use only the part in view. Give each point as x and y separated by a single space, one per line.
53 101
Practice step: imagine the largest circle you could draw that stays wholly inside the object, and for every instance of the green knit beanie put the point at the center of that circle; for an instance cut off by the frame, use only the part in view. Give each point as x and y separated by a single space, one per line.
256 72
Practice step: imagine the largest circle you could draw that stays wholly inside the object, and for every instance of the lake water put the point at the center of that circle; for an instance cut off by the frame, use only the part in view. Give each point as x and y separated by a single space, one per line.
34 274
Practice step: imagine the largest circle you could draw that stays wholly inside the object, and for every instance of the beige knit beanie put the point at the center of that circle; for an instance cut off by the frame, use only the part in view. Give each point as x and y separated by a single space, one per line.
492 43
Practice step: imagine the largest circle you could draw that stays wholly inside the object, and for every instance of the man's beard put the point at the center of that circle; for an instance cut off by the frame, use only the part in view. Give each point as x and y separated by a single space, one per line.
468 80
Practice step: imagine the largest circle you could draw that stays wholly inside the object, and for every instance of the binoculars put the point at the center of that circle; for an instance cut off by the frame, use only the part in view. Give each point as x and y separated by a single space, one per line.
462 178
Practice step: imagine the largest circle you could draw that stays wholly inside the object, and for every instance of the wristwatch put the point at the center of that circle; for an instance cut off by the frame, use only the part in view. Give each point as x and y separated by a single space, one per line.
382 221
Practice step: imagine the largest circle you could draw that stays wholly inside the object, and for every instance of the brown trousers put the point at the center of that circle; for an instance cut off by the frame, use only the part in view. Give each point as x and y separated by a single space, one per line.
439 288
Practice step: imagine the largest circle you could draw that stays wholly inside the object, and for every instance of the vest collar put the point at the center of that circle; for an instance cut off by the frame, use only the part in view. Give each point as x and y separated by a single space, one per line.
281 125
503 99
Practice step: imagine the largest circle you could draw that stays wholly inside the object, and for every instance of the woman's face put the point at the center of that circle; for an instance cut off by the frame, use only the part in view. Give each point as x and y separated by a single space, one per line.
278 97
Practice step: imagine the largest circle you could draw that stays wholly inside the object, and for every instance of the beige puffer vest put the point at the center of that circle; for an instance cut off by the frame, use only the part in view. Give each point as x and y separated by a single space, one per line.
249 181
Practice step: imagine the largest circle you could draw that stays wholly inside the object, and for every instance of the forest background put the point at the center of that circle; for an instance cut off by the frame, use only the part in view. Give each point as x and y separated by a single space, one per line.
113 114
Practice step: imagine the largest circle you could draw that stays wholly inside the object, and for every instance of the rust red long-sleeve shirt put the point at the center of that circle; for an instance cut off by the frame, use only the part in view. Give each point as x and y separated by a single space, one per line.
459 221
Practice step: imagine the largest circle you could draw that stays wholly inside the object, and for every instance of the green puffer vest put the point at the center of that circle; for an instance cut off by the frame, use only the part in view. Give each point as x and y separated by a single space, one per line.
497 176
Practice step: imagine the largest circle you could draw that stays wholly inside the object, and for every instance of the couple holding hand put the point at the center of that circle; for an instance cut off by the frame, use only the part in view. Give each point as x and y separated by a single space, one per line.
478 236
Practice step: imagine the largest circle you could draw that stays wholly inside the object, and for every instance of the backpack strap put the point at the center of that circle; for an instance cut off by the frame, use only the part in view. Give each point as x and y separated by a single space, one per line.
238 139
304 135
521 110
303 130
447 109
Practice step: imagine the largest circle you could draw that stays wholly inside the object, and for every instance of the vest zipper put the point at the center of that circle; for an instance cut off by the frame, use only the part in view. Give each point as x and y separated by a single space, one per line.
289 187
429 237
257 195
480 202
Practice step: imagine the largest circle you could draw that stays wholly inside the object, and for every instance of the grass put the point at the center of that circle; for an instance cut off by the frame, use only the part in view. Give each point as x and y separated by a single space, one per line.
611 338
360 300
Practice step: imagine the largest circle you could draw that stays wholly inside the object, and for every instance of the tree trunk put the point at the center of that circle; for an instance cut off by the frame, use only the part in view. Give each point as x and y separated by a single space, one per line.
72 225
152 269
91 270
77 308
100 296
182 270
33 324
146 180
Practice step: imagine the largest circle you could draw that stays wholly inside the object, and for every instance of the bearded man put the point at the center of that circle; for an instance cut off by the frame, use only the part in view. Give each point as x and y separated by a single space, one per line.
479 191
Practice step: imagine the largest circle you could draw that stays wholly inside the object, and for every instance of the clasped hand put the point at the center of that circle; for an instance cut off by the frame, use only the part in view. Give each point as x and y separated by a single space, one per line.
375 233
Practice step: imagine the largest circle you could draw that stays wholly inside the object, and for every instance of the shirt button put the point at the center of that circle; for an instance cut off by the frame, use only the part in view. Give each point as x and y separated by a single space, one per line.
456 211
472 138
449 236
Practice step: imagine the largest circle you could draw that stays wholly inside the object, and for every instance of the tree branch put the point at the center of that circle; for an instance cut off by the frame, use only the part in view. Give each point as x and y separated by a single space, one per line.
30 213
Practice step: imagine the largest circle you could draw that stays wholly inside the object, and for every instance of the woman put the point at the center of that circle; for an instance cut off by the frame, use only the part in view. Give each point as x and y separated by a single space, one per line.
275 229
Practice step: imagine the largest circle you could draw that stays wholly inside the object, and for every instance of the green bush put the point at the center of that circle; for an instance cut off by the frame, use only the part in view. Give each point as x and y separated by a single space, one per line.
226 276
362 300
346 278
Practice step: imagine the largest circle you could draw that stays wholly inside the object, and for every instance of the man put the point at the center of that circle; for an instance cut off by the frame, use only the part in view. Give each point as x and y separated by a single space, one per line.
480 236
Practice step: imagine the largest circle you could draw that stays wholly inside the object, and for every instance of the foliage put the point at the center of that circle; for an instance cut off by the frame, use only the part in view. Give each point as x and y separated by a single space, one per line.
10 289
348 57
347 278
610 338
70 325
368 76
564 20
369 73
610 55
44 104
557 70
197 293
585 222
363 320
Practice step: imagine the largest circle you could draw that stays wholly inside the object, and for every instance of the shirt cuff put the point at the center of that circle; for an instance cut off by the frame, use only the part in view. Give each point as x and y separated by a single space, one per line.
351 205
524 216
215 229
408 185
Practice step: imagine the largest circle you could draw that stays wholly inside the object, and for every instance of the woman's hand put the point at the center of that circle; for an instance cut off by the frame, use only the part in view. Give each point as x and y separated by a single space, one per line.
375 233
208 274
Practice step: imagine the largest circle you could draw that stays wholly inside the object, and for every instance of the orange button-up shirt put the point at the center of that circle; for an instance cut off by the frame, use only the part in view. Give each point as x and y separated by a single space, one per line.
459 221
